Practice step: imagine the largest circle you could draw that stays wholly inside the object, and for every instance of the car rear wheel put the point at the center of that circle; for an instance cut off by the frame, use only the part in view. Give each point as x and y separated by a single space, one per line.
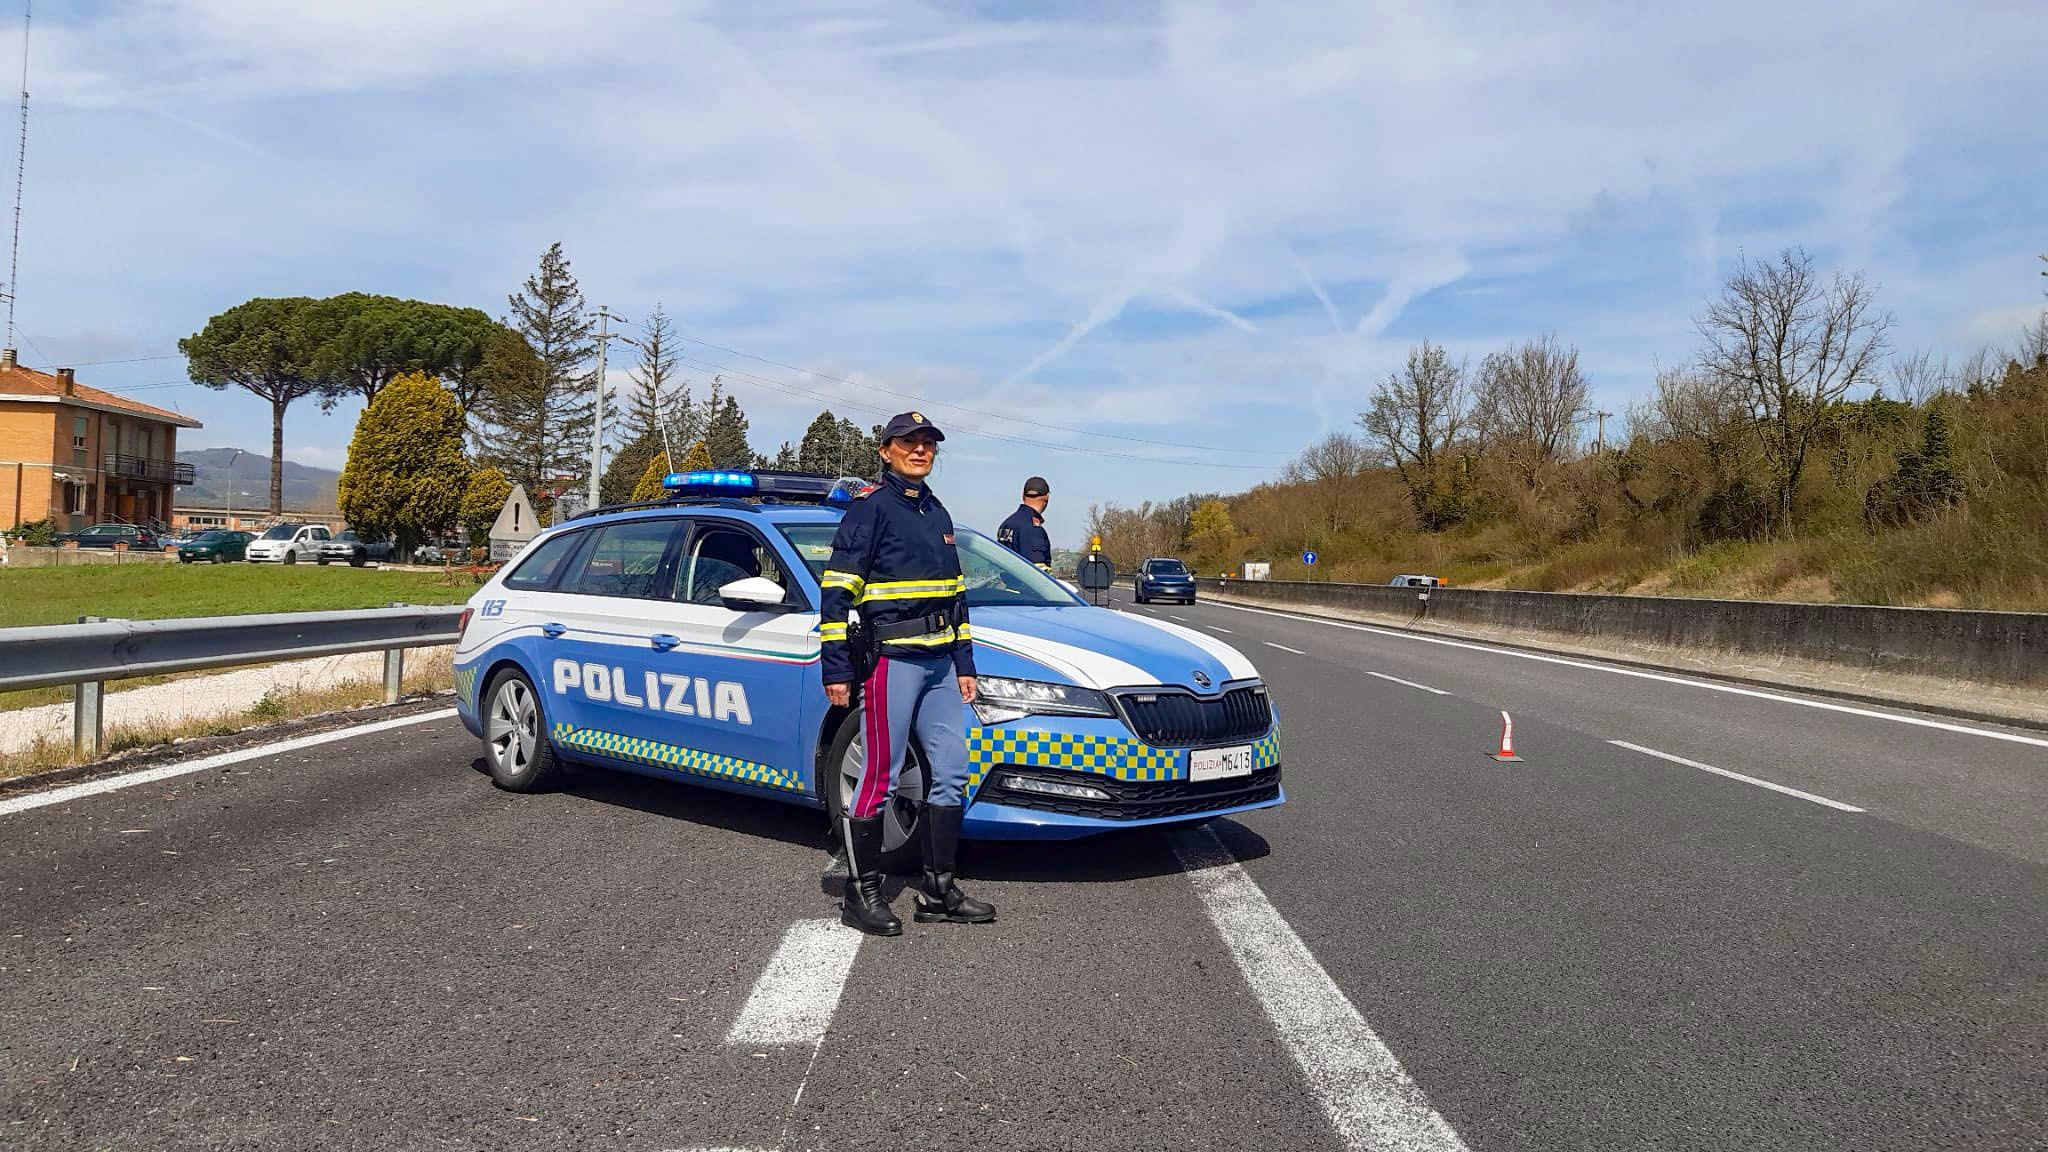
844 763
321 559
516 747
219 558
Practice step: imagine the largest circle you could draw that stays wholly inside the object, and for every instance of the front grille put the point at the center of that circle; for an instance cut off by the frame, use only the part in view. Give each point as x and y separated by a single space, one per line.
1136 799
1171 719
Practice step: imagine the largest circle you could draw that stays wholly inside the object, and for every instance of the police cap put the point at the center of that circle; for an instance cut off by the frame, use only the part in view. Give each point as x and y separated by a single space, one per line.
1036 486
905 423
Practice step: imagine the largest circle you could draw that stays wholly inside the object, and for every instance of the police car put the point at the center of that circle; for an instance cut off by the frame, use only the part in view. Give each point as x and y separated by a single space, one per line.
679 639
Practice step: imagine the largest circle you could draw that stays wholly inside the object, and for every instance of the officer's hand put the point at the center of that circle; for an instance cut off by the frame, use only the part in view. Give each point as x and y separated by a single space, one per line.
968 690
839 694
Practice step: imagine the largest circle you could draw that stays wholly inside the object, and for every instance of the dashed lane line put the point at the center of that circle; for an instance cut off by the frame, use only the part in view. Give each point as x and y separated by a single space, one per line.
1821 800
1408 683
1283 648
1362 1087
796 996
1214 628
206 763
1637 673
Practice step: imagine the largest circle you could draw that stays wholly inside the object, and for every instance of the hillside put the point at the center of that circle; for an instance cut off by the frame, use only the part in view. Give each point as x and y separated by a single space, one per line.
305 487
1939 503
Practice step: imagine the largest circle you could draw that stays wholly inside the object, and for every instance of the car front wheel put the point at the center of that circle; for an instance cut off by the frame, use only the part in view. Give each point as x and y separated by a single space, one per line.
291 557
516 747
844 765
357 559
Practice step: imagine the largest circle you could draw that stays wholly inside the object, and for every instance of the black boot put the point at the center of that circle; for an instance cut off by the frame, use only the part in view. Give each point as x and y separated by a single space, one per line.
864 906
939 899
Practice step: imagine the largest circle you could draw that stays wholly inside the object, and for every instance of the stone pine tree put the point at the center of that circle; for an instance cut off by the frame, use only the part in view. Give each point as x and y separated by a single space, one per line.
269 347
538 416
726 437
405 474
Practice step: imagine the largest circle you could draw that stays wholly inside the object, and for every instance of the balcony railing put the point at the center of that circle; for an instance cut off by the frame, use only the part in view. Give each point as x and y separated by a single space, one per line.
143 468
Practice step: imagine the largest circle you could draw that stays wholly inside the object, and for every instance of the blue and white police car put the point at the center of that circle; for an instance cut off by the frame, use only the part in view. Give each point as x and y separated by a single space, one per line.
680 640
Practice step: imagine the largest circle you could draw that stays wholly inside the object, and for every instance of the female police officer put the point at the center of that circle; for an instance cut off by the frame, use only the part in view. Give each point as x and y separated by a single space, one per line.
893 558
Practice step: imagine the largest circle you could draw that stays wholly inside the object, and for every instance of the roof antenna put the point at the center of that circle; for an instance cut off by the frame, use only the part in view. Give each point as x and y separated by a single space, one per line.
20 165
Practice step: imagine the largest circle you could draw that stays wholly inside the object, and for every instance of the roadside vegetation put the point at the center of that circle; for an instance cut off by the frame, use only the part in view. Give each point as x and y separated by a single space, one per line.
60 595
1795 456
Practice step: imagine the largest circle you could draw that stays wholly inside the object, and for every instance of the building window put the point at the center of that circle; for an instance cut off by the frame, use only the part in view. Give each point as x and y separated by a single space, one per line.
78 428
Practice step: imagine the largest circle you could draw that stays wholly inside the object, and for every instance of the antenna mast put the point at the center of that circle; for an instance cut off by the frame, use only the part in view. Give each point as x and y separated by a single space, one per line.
20 166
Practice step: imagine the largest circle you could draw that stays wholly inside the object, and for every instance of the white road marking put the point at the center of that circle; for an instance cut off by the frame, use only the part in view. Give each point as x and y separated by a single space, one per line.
1178 616
1730 689
1408 683
1370 1099
1822 800
797 994
1283 648
204 763
1214 628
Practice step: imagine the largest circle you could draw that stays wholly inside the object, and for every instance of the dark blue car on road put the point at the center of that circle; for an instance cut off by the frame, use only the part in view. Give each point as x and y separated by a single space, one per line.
1164 578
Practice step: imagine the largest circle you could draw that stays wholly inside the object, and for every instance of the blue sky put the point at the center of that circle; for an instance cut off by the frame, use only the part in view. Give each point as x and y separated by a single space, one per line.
1192 224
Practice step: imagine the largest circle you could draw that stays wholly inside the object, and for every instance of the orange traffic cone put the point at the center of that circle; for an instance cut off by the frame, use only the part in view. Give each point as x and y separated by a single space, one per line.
1506 755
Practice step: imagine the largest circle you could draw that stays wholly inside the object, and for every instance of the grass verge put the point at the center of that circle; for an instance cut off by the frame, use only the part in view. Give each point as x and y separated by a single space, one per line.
60 595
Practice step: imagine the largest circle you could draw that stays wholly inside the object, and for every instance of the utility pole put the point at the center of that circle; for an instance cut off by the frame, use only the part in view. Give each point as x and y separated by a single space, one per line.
1600 437
604 341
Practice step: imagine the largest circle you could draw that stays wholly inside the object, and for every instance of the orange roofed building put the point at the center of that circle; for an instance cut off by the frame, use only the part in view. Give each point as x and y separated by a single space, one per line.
80 456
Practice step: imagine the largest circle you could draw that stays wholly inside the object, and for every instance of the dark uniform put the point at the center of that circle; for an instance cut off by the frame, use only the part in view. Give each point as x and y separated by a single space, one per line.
893 559
1024 533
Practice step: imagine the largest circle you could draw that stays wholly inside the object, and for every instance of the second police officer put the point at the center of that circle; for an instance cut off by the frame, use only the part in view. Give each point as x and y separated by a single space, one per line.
893 558
1024 532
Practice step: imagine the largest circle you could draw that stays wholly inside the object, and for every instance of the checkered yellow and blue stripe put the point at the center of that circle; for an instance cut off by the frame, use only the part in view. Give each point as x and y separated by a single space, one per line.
465 687
1111 756
676 757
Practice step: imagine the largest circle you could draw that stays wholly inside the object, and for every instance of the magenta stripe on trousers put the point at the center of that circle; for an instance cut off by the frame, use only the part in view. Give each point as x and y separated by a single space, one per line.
874 777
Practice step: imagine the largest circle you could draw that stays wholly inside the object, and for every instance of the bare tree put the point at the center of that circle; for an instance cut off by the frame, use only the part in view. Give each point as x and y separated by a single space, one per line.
1918 378
1335 457
1980 371
1418 413
1531 402
1793 345
2032 349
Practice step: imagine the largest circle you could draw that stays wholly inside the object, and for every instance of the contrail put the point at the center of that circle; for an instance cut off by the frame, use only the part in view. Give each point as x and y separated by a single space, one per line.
1330 309
1196 304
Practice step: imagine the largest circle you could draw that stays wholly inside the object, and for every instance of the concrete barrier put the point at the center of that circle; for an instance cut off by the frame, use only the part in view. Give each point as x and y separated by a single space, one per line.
2005 648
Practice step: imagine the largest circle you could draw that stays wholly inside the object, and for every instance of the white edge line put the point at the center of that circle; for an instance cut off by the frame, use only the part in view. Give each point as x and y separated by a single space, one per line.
1822 800
1368 1096
1731 689
1409 683
220 760
1283 648
797 994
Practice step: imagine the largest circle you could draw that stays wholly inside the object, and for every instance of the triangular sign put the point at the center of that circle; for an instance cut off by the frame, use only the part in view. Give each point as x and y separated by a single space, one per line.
516 520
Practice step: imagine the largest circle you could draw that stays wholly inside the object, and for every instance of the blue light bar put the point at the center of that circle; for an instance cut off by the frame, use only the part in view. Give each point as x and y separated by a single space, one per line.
703 481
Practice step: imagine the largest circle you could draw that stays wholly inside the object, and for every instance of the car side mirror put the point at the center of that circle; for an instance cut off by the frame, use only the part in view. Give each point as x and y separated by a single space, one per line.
752 594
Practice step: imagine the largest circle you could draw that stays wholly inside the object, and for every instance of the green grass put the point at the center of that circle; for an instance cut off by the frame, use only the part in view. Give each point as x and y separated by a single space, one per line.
60 595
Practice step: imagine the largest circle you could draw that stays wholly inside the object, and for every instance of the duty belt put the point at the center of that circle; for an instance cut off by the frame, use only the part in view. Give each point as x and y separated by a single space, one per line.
937 627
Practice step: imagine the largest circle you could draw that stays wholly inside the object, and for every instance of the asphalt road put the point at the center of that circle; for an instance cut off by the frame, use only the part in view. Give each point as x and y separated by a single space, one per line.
361 944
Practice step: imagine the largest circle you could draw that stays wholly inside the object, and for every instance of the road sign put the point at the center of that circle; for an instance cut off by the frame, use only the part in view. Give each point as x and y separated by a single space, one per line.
1309 558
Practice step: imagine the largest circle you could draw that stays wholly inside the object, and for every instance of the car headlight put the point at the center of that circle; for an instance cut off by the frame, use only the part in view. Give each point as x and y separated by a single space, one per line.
998 699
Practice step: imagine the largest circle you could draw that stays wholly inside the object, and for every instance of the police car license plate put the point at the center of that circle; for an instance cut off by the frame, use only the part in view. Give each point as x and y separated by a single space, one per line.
1219 763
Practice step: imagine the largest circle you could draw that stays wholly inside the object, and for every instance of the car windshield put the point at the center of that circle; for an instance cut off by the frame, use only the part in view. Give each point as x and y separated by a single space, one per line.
1165 568
280 532
996 576
210 538
348 538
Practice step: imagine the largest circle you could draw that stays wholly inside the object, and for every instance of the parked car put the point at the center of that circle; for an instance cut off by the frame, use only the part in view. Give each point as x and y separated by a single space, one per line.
219 546
356 550
287 544
1164 578
136 537
1407 580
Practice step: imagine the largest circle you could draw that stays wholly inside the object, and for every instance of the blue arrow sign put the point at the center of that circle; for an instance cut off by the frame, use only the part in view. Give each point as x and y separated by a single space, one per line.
1308 558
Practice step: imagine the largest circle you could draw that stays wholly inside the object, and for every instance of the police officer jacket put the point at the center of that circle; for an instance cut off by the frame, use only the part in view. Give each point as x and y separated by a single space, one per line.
893 559
1024 533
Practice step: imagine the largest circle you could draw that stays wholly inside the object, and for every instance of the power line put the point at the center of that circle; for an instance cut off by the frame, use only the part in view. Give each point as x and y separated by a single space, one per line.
843 402
928 402
20 168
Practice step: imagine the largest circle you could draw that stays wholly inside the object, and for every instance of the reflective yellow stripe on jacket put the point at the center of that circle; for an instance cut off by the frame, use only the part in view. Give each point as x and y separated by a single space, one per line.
910 590
832 631
834 578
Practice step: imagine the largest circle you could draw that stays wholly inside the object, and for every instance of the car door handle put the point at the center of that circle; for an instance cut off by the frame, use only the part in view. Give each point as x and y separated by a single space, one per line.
662 641
553 630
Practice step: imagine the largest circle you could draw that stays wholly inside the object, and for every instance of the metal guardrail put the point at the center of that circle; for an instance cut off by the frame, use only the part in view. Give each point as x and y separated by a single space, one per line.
88 654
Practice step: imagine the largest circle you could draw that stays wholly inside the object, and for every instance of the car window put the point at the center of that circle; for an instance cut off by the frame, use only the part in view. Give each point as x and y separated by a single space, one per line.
281 532
1166 568
626 560
319 533
545 562
720 555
